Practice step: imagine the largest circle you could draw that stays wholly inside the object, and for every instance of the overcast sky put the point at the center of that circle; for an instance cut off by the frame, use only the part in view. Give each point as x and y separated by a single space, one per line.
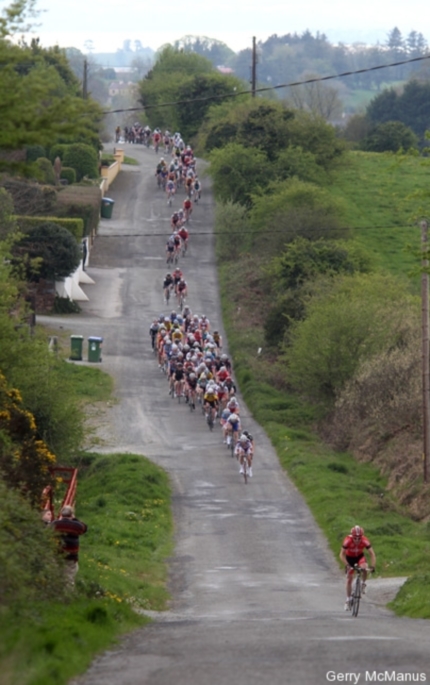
109 22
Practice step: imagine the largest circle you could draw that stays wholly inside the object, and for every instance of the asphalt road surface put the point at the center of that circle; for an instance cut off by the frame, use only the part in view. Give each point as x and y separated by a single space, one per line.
257 596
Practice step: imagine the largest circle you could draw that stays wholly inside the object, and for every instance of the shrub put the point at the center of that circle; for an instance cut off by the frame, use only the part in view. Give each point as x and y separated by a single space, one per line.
46 171
29 561
57 150
74 226
34 152
83 159
54 248
68 174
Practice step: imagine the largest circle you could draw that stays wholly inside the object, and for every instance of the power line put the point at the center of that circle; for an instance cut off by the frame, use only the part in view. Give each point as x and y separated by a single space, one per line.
257 232
234 94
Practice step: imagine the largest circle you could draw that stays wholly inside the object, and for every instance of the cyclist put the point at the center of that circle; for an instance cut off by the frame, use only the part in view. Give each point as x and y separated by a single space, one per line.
351 554
188 208
177 275
243 450
210 401
231 428
153 332
181 291
170 249
184 235
167 286
170 190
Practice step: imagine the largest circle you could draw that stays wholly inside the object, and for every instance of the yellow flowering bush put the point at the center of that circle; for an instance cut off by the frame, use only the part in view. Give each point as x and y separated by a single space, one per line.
25 460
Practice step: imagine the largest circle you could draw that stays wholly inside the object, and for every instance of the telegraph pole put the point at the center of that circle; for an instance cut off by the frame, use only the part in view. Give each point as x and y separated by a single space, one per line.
254 67
425 346
85 81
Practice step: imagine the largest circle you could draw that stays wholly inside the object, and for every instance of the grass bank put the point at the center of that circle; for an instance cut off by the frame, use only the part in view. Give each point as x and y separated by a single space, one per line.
125 501
384 195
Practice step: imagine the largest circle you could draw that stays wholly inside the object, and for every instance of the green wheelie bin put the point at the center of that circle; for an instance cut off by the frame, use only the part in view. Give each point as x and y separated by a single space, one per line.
76 343
95 349
107 208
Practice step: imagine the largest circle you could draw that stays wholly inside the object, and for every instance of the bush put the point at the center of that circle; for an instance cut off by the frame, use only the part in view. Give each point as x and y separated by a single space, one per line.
391 136
54 248
57 150
34 152
83 159
46 171
29 562
74 226
68 174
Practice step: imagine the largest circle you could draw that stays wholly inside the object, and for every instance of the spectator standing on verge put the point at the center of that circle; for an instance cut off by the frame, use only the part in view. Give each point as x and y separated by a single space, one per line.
69 529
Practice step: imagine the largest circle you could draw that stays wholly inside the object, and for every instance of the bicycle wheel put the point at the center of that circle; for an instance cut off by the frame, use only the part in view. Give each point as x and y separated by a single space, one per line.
356 596
245 470
210 420
232 447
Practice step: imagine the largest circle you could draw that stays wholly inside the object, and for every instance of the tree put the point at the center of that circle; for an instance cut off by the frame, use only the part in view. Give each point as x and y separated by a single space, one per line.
391 136
317 98
48 251
411 106
359 317
237 172
39 97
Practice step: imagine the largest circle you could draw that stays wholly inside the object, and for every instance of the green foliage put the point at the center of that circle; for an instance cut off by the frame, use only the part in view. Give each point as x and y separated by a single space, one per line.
358 317
411 107
74 226
53 247
32 75
196 95
24 458
29 563
121 571
290 274
68 174
237 172
30 198
34 152
8 224
390 136
302 198
172 69
80 201
57 150
83 159
45 171
231 226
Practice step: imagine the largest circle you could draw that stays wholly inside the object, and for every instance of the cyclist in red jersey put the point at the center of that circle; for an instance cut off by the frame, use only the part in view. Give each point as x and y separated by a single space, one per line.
352 553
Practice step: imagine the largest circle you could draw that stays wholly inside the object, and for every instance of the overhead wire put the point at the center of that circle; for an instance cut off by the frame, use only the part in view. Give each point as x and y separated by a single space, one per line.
263 89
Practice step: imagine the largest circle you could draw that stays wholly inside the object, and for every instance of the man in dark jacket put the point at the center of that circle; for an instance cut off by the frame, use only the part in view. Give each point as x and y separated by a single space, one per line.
69 529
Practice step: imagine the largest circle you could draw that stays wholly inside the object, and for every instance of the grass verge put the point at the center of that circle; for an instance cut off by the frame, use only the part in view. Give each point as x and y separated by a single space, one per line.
125 501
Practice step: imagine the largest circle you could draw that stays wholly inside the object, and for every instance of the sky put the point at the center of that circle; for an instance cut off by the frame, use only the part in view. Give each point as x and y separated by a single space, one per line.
108 23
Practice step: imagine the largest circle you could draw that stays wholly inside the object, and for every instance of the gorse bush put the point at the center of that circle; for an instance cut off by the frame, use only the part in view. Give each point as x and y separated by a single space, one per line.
30 566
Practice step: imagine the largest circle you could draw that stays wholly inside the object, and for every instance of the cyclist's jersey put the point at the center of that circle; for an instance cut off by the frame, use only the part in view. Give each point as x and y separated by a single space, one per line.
182 286
355 548
210 397
167 282
177 335
183 233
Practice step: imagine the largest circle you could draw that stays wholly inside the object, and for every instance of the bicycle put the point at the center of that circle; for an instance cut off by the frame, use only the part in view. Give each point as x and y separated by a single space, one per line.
357 589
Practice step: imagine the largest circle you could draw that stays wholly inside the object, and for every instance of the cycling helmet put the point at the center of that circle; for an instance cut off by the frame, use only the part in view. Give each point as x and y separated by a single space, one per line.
192 376
357 532
243 438
233 401
233 417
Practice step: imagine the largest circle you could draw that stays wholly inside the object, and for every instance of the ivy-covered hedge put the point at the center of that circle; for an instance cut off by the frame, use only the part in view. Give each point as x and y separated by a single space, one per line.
74 226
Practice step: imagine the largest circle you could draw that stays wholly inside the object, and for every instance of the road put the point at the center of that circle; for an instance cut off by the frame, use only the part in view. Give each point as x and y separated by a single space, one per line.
257 596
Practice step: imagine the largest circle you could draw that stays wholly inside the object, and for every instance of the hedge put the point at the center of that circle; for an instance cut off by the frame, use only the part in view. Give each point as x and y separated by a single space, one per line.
69 174
74 226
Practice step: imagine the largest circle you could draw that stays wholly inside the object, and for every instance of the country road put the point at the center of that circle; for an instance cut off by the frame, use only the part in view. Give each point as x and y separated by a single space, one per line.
257 596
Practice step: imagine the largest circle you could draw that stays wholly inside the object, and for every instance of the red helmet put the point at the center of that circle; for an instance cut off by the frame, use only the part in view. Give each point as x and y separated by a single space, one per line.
357 532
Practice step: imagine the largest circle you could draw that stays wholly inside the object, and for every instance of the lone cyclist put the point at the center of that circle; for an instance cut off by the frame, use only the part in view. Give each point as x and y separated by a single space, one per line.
351 554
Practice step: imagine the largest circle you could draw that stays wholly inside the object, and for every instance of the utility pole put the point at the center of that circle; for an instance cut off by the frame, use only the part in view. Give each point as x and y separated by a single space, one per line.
254 67
85 81
425 346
